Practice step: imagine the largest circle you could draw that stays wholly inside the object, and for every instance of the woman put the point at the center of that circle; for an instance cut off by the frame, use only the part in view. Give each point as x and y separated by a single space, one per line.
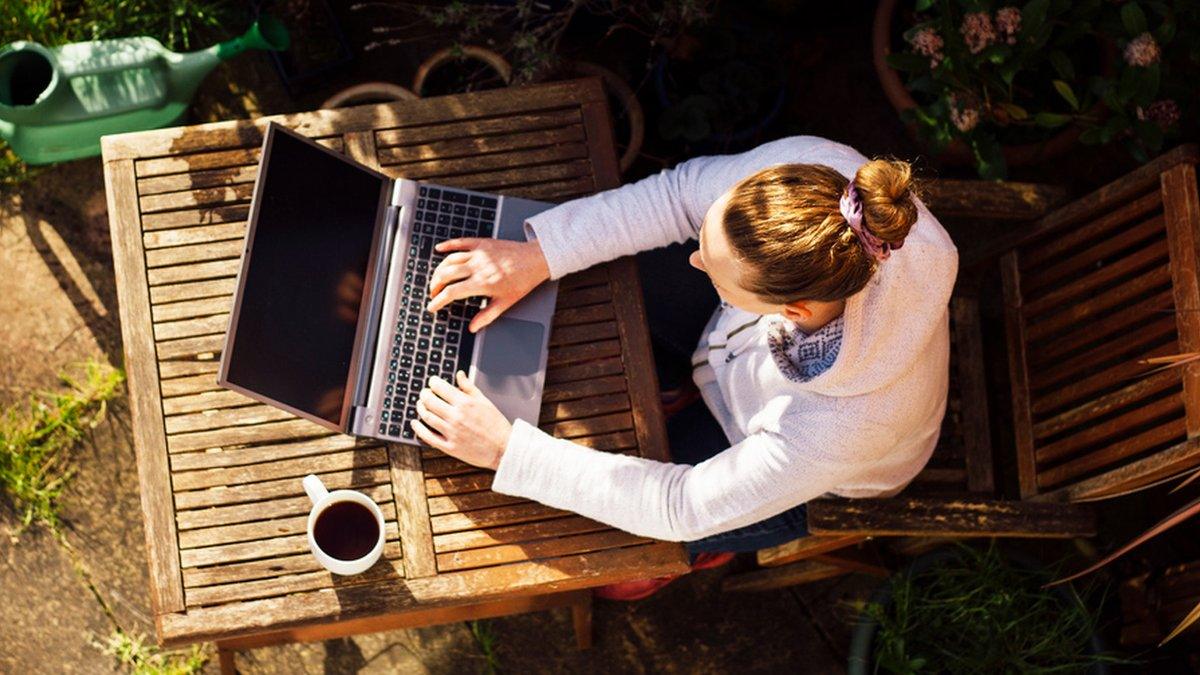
825 363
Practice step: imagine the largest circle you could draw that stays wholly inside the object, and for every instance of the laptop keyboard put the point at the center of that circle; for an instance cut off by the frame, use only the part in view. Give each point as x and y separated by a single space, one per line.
425 344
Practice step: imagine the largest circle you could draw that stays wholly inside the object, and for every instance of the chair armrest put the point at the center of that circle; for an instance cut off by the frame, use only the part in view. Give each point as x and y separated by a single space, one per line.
993 200
949 517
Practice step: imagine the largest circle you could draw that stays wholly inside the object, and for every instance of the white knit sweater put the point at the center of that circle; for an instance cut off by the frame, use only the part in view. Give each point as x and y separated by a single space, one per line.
864 427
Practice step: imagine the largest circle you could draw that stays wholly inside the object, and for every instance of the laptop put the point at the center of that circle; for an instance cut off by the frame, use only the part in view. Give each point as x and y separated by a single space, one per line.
329 319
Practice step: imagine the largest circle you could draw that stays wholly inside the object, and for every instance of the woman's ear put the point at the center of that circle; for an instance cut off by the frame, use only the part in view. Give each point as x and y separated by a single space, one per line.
797 311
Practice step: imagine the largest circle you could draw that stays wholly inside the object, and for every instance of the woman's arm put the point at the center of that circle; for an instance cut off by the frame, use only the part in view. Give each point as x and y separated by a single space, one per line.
766 473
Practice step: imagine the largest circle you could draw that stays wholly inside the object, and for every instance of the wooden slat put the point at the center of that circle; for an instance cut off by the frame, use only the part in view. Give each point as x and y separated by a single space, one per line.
170 370
976 199
1079 391
592 425
550 190
474 147
191 327
245 173
176 311
772 578
355 479
1077 316
212 400
1098 229
251 550
579 372
976 430
1155 251
1141 472
1181 210
585 352
501 515
515 534
588 295
588 332
1109 429
533 550
255 454
267 509
591 406
566 391
1163 434
225 418
1110 327
274 431
146 423
949 518
193 290
266 528
470 501
230 573
503 181
1018 370
190 236
183 255
188 199
577 315
1137 390
804 547
444 130
415 534
192 217
193 384
286 585
358 458
1153 334
207 158
1066 267
202 271
186 348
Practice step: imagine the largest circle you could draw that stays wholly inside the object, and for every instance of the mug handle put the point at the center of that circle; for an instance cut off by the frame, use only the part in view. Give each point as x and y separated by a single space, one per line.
315 488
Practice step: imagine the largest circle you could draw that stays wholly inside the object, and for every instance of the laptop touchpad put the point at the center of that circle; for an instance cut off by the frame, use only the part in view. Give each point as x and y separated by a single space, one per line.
509 361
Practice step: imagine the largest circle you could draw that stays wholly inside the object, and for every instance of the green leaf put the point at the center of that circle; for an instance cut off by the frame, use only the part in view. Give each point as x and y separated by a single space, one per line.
1128 85
989 157
1051 120
1113 127
1165 32
1033 15
1147 85
1090 136
1015 111
1065 91
1133 18
923 5
1062 64
908 62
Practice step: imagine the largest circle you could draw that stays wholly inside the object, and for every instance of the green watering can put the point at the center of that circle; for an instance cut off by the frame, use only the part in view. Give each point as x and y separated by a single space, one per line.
55 104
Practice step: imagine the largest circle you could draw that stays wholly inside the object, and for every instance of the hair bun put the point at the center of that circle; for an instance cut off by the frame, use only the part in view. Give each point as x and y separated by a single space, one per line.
886 188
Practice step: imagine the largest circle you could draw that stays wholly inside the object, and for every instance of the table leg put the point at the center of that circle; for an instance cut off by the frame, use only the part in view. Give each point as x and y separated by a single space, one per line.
581 615
226 657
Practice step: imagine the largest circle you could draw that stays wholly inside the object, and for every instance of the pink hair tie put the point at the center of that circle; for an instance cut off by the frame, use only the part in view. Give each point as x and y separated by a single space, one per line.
852 210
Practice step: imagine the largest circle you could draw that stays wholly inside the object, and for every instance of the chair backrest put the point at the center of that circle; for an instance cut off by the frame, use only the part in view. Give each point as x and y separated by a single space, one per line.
1093 290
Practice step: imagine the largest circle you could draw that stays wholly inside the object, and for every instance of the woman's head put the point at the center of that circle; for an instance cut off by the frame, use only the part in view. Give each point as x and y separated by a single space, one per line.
779 237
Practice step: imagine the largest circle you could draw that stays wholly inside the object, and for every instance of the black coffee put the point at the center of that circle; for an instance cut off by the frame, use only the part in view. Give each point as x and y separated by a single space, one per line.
346 530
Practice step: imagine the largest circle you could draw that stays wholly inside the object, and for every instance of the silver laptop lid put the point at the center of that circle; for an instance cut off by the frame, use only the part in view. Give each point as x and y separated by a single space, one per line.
296 331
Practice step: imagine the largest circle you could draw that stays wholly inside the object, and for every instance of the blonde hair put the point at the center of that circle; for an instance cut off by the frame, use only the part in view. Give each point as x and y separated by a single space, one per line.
785 222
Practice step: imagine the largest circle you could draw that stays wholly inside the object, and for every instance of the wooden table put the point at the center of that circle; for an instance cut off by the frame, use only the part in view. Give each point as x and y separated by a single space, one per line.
220 474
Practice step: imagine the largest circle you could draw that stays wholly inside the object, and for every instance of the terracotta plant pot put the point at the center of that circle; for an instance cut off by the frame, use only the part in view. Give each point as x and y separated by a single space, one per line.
957 152
448 55
368 92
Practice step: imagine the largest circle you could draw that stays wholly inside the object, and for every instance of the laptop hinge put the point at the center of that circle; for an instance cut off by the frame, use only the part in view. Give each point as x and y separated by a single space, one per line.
366 364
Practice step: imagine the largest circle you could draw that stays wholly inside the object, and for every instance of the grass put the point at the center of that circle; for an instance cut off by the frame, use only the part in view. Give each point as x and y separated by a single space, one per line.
979 613
135 656
487 640
35 440
178 24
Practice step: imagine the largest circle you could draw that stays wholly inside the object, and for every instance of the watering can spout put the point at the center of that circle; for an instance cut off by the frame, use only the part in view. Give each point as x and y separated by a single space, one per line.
265 33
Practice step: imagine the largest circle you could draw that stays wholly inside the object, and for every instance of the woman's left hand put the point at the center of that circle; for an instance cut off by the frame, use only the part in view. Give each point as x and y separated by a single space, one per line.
461 422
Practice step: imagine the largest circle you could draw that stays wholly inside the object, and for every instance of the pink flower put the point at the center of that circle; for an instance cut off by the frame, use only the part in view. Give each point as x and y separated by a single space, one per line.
927 42
964 117
1008 20
978 31
1142 51
1164 113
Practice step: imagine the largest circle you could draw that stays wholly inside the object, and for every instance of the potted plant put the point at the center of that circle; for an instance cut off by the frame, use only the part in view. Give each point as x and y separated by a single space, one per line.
719 88
980 610
995 84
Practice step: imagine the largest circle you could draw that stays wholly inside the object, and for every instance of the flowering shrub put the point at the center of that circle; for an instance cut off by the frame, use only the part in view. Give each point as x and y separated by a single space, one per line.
990 72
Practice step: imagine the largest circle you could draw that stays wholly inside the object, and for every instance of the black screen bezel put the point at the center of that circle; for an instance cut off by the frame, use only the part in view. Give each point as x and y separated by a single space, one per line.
361 349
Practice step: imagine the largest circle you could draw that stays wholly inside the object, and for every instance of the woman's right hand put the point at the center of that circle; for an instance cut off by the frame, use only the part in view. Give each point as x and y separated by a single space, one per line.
504 271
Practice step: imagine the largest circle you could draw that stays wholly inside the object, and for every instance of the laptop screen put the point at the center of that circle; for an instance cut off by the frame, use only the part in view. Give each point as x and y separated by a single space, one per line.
302 289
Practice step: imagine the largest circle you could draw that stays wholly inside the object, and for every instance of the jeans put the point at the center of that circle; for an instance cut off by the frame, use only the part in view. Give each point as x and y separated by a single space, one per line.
679 302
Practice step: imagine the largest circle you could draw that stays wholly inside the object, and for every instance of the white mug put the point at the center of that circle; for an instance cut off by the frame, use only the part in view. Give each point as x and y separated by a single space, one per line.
323 499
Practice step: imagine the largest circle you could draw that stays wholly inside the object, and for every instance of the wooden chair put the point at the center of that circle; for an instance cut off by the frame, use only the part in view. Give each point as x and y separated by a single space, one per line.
1091 289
